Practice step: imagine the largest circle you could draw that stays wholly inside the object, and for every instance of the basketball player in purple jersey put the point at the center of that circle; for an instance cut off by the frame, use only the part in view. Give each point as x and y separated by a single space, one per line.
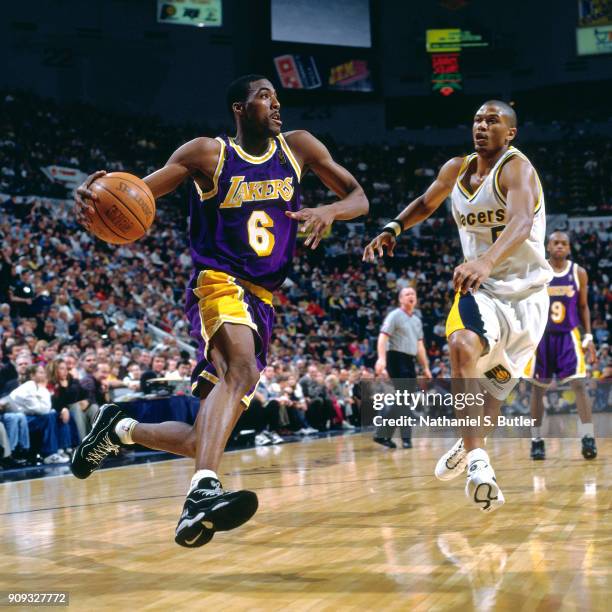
244 216
560 352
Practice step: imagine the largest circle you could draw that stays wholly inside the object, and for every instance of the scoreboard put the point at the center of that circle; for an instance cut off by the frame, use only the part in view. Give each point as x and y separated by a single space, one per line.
444 47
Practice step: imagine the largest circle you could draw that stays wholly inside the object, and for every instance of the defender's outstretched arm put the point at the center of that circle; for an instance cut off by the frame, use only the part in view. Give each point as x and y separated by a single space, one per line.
418 210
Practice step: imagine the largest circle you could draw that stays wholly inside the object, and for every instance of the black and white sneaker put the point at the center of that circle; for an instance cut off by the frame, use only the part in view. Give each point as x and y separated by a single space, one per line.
589 448
538 450
208 508
100 442
481 487
452 463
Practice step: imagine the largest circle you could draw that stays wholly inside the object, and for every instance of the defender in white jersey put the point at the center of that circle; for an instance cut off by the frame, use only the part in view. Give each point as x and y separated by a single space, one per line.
501 304
511 303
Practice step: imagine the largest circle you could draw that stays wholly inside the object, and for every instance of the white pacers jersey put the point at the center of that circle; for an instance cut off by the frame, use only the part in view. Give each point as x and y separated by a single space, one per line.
481 217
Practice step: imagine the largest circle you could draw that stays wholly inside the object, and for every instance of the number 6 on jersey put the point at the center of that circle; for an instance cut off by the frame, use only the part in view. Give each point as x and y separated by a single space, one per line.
260 239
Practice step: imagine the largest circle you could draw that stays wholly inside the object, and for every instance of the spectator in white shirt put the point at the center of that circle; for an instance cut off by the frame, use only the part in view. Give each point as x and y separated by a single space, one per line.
182 371
33 399
132 380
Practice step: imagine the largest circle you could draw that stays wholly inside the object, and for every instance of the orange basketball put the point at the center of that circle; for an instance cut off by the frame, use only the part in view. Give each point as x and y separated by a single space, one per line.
125 209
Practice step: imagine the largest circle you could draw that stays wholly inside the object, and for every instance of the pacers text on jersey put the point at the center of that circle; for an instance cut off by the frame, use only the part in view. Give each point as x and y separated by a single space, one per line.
482 217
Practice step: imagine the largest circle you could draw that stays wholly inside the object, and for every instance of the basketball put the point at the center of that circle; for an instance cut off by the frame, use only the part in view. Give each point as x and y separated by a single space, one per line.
125 209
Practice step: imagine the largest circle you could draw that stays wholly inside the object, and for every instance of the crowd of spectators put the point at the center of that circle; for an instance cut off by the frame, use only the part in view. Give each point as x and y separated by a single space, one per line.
575 168
102 321
49 399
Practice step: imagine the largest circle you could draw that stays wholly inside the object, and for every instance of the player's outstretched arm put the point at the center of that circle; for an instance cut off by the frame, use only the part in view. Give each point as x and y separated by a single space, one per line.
519 183
418 210
196 158
313 155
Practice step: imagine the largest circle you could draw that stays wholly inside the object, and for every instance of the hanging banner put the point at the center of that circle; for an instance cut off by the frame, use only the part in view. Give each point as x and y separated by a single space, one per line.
71 178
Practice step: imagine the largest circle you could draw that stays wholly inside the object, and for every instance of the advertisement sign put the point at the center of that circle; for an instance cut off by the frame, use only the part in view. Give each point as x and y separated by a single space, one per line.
353 75
199 13
452 40
297 71
595 40
446 77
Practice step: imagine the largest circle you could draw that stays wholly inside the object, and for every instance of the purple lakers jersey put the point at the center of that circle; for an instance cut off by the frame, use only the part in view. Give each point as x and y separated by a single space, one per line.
563 292
239 226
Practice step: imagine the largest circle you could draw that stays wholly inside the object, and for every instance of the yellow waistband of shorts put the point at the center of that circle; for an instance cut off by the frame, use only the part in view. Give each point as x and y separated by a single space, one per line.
263 294
216 276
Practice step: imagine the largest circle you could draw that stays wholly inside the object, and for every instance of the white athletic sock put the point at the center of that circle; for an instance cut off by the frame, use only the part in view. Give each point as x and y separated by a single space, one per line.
124 429
586 429
536 432
478 454
199 475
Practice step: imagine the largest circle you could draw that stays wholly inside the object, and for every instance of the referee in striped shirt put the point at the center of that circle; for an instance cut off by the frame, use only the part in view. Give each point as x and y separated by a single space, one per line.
400 344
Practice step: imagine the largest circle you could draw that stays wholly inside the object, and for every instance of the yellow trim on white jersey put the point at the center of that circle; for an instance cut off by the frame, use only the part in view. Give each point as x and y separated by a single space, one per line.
206 195
512 152
254 159
480 219
540 194
287 149
464 167
464 163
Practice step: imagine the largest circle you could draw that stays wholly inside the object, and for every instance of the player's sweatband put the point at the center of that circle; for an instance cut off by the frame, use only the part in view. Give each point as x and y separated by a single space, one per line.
587 338
394 227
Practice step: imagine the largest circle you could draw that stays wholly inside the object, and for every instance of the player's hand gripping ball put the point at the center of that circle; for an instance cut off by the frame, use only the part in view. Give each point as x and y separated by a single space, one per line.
118 207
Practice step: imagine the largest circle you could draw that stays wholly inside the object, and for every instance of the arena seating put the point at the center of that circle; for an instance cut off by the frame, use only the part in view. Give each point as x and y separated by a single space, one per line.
87 295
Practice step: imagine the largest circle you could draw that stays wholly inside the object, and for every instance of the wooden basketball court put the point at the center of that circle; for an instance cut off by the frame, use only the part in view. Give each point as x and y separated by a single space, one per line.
343 524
